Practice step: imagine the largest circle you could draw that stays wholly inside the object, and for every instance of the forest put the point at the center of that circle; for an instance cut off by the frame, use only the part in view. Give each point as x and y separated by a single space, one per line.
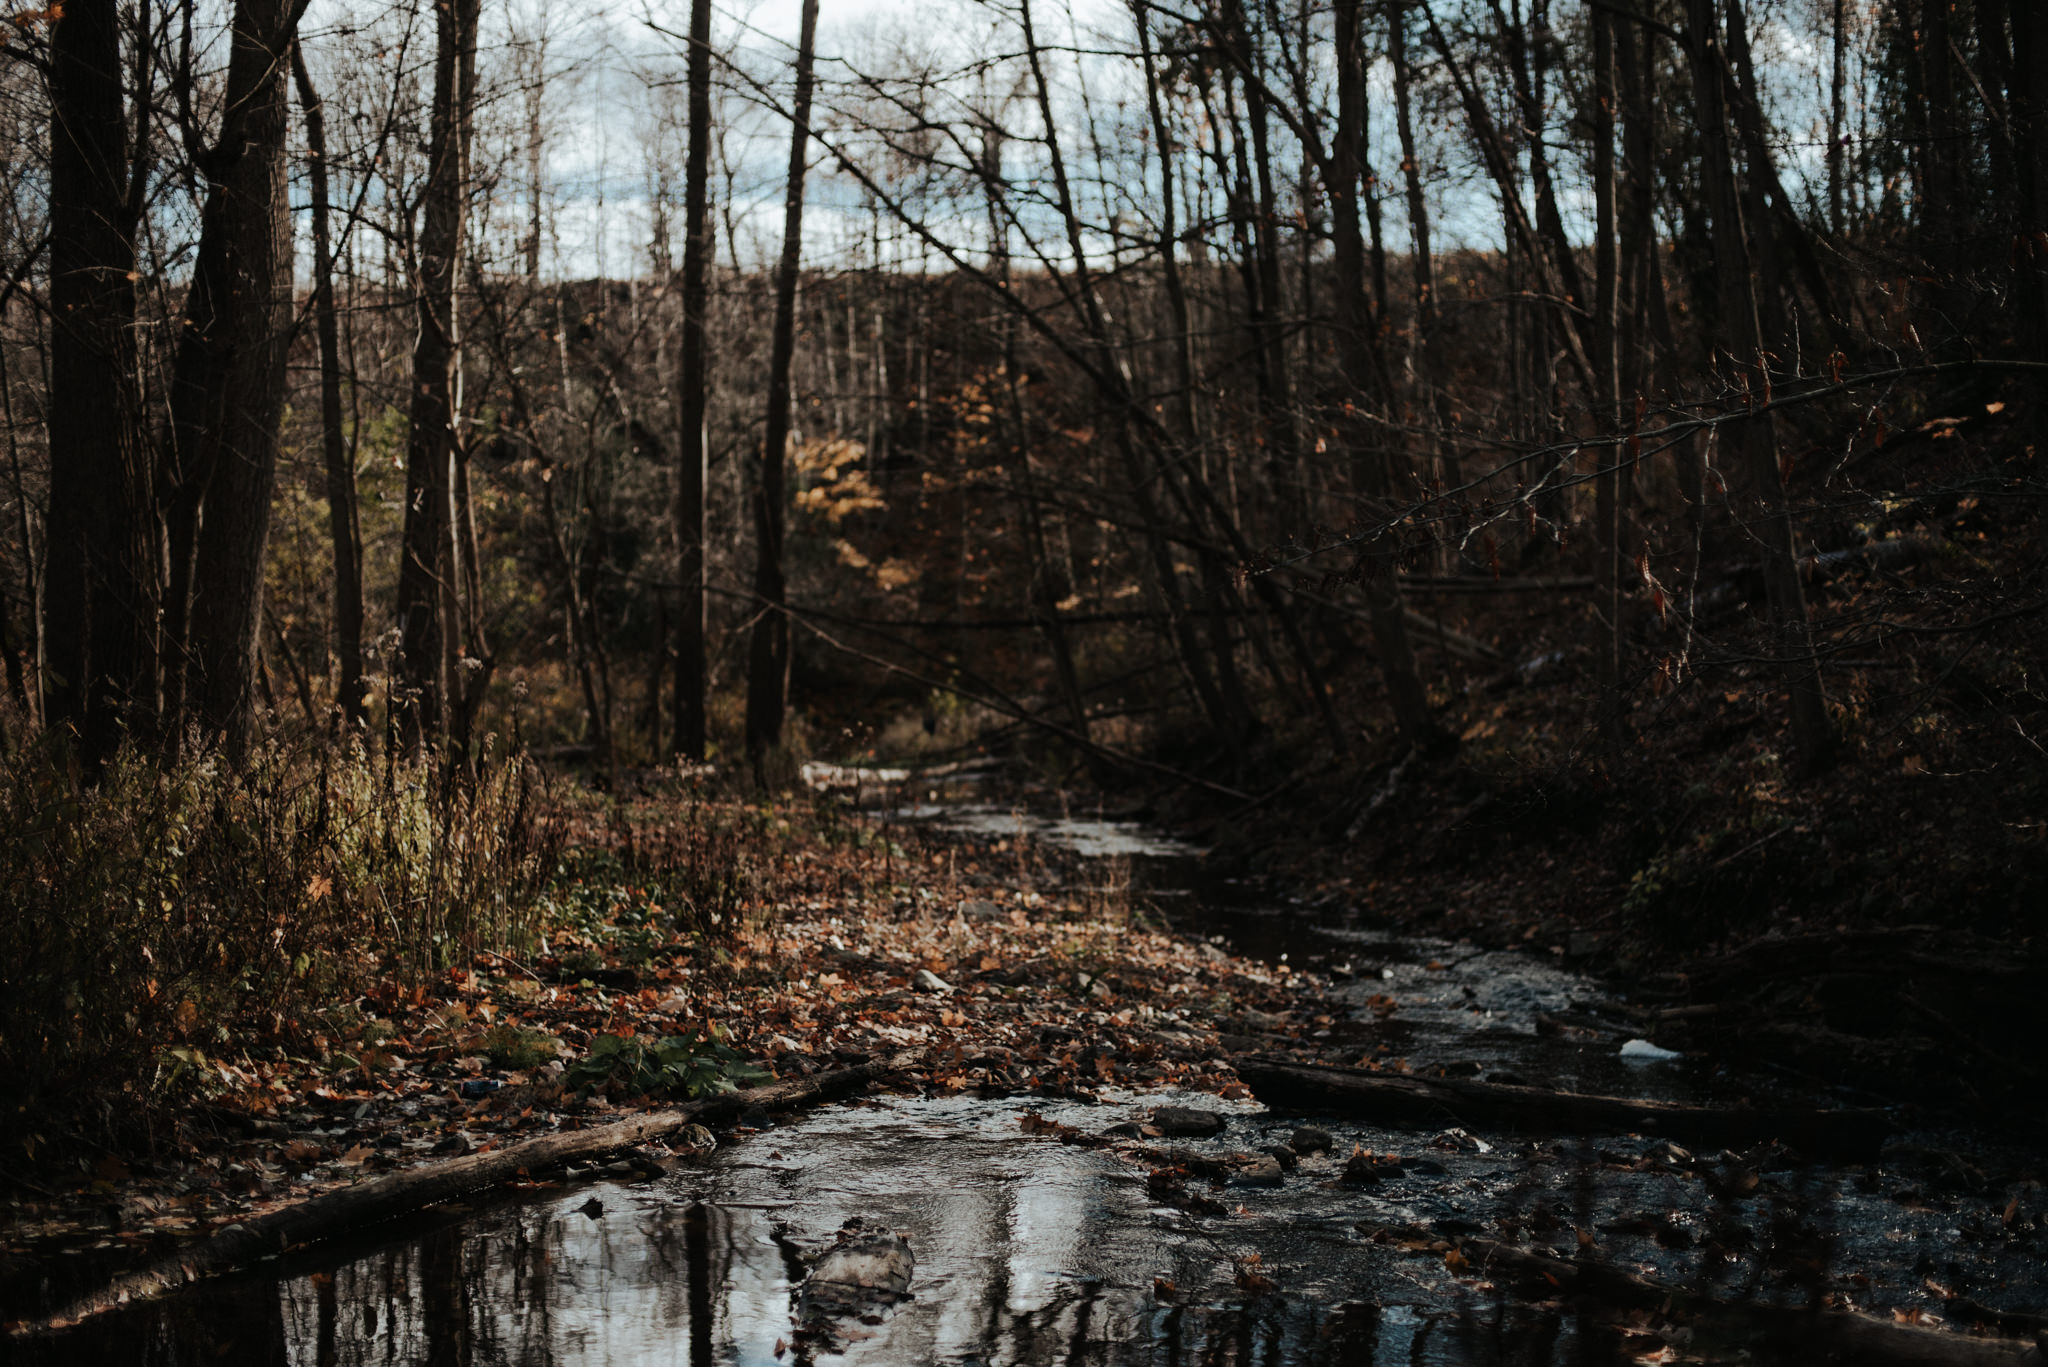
507 506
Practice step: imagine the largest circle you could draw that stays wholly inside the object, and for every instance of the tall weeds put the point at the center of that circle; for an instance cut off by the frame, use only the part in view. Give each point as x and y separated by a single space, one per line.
165 911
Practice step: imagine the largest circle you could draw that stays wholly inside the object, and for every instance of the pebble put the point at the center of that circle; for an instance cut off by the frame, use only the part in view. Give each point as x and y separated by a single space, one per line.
1261 1171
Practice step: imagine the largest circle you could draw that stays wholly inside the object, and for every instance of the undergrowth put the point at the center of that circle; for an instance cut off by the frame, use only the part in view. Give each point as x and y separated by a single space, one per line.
157 918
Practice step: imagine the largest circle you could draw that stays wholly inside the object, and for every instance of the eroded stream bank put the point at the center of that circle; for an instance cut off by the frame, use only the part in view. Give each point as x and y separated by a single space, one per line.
1042 1237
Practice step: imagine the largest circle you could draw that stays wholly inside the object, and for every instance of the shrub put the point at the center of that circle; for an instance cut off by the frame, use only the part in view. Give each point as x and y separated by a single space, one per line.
166 910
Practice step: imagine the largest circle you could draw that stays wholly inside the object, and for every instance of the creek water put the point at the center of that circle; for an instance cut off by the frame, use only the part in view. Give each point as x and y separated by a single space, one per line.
1032 1252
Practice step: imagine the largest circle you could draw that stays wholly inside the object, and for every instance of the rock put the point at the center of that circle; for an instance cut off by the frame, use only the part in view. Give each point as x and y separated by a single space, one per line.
646 1162
1286 1157
1310 1140
1642 1051
1257 1170
928 981
866 1271
1457 1141
755 1118
1366 1169
695 1137
1185 1122
981 909
1130 1129
592 1209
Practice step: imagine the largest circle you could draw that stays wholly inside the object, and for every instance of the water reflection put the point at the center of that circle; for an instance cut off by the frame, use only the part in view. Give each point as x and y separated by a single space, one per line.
1029 1253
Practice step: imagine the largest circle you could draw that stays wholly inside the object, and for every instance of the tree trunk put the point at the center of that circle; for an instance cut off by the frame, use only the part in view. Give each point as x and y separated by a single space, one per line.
238 321
768 652
343 522
1421 261
1607 378
100 581
428 571
693 392
1838 115
1355 328
1753 438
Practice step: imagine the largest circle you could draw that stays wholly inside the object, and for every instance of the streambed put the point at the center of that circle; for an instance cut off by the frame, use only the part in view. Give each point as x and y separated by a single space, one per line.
1035 1251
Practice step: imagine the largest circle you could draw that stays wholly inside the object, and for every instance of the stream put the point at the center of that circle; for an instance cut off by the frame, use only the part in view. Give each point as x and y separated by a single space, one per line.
1031 1251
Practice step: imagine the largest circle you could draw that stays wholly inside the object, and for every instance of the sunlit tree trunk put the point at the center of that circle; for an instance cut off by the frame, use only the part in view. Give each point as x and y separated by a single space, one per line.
692 398
343 521
428 573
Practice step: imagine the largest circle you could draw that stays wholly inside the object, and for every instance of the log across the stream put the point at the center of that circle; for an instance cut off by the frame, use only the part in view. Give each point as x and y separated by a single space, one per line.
1792 1332
1399 1099
404 1193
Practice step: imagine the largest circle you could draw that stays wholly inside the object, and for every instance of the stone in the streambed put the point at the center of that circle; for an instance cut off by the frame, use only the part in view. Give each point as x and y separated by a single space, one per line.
1256 1170
1310 1140
1285 1156
1367 1169
866 1271
694 1137
928 981
1130 1129
1185 1122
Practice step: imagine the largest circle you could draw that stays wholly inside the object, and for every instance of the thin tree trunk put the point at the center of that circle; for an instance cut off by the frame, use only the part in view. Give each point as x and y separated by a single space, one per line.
768 652
2028 103
1421 261
343 521
1355 326
1183 340
1754 439
1607 368
427 572
693 392
1838 115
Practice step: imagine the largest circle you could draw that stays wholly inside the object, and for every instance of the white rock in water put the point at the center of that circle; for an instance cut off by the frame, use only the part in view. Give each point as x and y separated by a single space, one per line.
1647 1052
873 1267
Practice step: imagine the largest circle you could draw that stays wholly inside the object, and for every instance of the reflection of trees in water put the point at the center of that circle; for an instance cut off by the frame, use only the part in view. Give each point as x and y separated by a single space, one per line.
445 1299
697 1263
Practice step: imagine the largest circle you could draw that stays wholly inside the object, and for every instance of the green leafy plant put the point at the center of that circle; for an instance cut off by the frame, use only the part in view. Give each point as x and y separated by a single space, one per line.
692 1064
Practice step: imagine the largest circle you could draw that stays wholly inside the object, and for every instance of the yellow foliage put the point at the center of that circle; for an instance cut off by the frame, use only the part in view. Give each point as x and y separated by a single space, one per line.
836 485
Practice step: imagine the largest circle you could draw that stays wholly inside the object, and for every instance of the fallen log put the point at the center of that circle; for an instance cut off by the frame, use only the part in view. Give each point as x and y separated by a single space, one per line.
1802 1334
1396 1099
404 1193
